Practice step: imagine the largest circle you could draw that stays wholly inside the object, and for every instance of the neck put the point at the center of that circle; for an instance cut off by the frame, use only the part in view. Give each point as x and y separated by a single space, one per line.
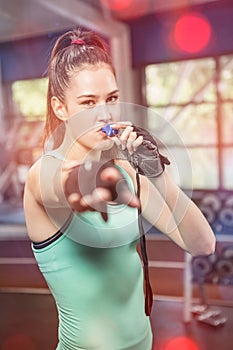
82 154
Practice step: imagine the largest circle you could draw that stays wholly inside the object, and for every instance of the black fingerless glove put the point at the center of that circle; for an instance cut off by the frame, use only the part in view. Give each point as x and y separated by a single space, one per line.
146 159
85 178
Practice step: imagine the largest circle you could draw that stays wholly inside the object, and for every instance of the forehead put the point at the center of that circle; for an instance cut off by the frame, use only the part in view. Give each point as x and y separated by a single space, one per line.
93 80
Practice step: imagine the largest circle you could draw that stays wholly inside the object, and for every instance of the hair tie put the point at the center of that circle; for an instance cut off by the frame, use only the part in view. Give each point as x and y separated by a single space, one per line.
77 41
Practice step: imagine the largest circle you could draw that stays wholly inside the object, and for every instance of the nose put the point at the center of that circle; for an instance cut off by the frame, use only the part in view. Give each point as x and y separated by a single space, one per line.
104 114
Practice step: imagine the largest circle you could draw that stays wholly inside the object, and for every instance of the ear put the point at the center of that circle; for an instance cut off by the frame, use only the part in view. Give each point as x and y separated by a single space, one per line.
59 108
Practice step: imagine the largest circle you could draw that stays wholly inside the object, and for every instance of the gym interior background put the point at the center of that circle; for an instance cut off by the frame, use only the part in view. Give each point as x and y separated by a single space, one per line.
174 62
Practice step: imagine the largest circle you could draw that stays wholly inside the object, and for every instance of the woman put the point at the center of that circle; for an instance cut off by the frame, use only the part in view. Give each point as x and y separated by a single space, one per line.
89 261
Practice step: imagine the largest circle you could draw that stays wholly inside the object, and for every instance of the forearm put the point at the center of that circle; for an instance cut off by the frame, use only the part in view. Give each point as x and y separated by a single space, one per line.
194 229
196 232
173 213
158 214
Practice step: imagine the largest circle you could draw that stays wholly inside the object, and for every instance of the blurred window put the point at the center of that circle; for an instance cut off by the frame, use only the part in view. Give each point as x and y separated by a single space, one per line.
29 97
195 98
29 105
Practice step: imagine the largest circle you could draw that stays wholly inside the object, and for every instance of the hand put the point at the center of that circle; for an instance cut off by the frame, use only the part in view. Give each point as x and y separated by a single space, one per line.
90 186
127 138
141 150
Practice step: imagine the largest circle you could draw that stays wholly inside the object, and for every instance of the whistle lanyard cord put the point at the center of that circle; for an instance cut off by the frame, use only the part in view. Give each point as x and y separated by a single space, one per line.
148 289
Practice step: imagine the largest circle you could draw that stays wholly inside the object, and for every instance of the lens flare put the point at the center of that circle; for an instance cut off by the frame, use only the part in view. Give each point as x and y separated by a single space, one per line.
192 32
19 342
181 343
117 5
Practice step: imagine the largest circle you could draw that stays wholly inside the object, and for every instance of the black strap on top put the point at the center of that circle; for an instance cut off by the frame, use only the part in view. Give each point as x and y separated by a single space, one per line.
148 289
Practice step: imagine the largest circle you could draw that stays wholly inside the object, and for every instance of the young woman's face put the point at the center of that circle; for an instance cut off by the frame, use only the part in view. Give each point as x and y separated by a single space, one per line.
90 103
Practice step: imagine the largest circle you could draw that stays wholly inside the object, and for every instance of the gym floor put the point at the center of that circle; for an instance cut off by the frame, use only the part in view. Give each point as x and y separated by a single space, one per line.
28 318
29 322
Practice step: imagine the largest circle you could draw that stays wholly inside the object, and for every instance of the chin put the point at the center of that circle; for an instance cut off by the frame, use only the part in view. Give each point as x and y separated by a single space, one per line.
105 145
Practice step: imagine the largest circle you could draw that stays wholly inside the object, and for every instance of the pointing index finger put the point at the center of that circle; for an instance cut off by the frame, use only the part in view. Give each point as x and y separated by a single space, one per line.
120 125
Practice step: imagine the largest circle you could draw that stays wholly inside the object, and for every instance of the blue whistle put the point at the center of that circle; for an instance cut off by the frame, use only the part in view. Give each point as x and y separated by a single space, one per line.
109 131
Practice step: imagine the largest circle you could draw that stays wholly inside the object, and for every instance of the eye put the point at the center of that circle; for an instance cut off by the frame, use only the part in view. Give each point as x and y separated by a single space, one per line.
112 99
88 103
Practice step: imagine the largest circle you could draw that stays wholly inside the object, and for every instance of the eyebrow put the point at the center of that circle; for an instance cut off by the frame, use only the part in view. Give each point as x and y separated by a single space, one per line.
94 96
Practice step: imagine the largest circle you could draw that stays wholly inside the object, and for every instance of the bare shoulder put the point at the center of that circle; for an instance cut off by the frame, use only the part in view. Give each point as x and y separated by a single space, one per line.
39 197
32 180
41 174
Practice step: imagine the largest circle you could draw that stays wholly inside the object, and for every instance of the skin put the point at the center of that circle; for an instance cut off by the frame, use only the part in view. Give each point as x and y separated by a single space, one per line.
93 91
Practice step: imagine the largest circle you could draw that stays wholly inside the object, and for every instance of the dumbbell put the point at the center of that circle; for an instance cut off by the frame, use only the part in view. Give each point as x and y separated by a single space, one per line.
224 266
203 268
227 252
210 206
224 269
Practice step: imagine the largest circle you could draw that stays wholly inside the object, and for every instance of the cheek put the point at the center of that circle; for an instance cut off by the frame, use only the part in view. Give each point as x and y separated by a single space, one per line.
80 126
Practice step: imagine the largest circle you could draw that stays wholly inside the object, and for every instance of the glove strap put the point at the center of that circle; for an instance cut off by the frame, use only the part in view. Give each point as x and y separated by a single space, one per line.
148 289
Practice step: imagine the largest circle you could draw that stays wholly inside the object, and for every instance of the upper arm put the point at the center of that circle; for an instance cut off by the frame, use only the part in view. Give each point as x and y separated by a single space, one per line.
178 216
45 183
153 205
32 184
164 202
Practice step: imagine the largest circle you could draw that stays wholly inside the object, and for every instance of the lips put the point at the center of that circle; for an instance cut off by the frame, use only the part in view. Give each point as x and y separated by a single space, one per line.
100 128
101 133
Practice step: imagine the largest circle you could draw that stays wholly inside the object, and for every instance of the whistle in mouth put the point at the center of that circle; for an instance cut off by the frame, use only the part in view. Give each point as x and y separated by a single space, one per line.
109 131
